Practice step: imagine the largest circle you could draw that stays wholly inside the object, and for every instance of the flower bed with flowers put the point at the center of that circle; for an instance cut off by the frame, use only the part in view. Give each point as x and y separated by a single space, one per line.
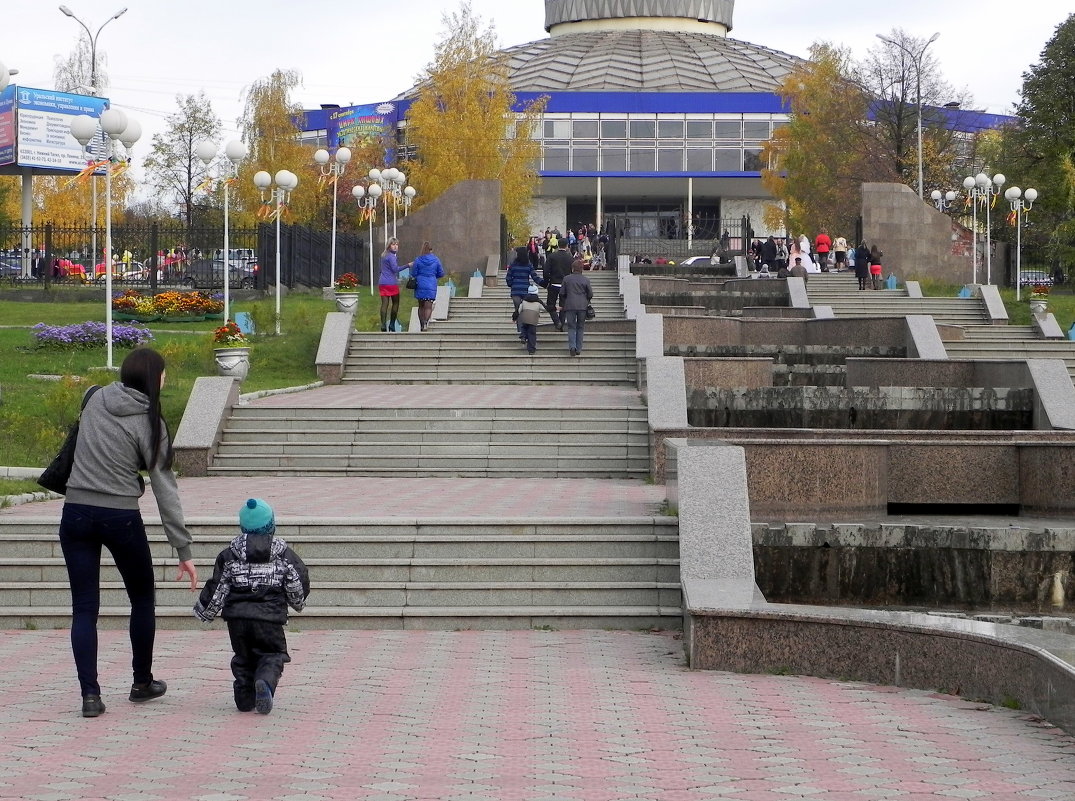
84 336
1039 292
172 306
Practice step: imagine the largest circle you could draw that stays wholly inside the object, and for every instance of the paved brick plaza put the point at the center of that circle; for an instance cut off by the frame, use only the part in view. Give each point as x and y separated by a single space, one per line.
500 715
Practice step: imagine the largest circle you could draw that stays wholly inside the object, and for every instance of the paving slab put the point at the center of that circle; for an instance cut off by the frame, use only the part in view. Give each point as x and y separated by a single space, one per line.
566 715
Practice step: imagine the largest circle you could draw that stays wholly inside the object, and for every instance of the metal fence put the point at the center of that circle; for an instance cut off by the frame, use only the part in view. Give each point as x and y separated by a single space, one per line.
157 254
653 236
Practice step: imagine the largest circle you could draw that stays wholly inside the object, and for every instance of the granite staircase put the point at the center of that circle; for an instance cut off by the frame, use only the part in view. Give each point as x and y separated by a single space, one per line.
394 574
840 292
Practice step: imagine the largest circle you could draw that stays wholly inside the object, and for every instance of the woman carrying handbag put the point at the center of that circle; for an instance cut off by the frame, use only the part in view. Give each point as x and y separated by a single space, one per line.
121 432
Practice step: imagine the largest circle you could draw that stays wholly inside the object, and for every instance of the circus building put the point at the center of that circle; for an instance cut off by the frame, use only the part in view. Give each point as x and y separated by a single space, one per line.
655 114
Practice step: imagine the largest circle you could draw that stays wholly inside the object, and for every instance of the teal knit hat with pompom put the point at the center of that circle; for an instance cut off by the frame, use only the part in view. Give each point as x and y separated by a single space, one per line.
256 517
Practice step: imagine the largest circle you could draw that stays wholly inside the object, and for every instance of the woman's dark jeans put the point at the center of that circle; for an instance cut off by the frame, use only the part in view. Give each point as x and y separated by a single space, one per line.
83 530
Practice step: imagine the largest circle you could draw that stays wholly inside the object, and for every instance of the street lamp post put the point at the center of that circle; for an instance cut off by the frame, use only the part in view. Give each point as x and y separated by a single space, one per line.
117 128
1021 202
943 202
367 199
984 189
286 181
235 151
917 59
332 168
93 91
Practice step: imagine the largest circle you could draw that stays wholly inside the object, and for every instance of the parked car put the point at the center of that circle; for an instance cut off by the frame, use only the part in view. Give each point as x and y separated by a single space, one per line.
1035 278
10 268
697 260
124 271
209 274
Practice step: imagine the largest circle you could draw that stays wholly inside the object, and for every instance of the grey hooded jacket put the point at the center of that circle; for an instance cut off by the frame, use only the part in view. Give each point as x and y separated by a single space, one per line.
114 442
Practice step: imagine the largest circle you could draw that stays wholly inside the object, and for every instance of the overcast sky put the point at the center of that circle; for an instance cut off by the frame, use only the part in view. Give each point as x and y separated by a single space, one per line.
366 51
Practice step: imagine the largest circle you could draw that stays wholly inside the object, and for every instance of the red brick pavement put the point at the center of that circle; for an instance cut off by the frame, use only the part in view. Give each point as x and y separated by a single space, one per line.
527 715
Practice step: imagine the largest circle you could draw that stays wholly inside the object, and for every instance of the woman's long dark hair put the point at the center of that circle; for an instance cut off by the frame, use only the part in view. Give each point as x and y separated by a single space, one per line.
142 370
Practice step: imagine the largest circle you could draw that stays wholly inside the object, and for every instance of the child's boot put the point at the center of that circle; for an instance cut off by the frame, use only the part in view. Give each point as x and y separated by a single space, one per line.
262 697
244 696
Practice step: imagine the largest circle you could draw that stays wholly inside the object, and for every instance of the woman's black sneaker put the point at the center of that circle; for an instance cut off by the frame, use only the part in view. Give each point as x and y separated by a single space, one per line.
148 691
92 706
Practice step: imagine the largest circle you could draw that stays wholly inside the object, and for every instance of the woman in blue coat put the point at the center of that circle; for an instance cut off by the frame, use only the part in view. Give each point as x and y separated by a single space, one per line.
426 270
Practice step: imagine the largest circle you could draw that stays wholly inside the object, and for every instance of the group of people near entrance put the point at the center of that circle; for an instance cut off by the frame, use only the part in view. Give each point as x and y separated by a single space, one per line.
797 256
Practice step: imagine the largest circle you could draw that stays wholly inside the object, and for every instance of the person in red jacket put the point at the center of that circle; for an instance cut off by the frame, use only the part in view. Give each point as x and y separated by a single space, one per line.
822 246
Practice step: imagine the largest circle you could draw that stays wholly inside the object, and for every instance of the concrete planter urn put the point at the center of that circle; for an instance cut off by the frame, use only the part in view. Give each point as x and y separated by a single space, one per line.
347 302
1038 306
232 362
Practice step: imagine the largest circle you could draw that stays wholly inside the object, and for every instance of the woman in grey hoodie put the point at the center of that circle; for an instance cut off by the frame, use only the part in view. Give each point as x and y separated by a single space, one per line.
121 432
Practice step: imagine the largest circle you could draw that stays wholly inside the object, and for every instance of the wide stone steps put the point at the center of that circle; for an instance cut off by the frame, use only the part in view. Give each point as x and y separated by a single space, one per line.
1000 333
396 574
1017 349
840 291
597 443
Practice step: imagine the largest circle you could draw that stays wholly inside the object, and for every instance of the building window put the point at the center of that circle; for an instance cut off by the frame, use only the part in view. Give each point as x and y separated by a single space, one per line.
699 159
585 159
729 129
643 129
669 160
699 129
670 129
758 131
557 129
643 160
613 129
614 159
752 160
584 129
556 159
728 159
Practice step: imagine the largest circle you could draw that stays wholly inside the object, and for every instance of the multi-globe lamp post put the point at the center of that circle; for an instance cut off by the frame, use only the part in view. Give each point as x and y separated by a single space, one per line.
982 189
942 200
285 181
367 201
1021 202
393 182
117 128
93 91
235 151
332 167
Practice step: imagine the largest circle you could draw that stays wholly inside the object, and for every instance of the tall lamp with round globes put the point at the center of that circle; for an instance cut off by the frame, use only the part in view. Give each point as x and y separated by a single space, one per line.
367 199
286 181
332 168
235 151
1021 202
981 189
117 128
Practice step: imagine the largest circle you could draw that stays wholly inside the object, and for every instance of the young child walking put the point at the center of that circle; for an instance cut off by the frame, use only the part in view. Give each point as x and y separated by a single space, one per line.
529 316
255 579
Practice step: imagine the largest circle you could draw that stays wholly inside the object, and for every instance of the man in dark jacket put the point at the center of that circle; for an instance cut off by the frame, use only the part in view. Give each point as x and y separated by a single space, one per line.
255 579
557 267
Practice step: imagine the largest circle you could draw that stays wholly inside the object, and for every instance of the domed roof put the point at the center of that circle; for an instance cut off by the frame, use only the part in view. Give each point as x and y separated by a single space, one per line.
564 11
646 61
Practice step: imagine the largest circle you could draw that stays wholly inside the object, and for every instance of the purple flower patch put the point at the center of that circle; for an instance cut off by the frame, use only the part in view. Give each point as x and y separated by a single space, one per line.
84 336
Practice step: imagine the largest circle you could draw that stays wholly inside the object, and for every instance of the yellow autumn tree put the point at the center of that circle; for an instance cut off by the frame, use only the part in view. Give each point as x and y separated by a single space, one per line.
66 201
463 124
269 128
819 160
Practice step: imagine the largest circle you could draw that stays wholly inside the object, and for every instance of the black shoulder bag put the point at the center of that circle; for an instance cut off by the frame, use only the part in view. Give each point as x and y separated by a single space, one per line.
56 474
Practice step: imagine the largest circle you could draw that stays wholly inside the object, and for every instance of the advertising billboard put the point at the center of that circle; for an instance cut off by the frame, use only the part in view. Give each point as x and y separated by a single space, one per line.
348 126
43 127
7 126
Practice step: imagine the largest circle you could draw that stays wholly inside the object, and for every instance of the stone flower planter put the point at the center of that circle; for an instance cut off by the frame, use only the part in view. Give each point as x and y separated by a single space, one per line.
233 362
347 302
